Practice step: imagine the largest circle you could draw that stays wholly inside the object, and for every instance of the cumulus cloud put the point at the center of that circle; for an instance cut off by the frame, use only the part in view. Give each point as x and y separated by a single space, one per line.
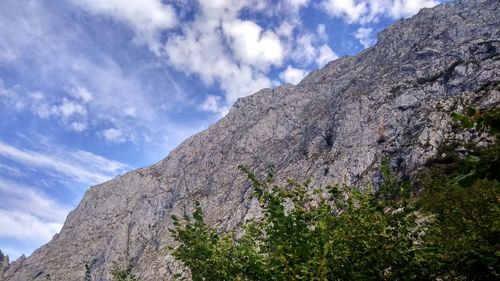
65 110
325 55
304 51
78 126
94 89
10 98
366 11
114 135
365 36
147 17
68 108
220 48
406 8
82 93
214 104
352 10
312 48
252 46
297 3
292 75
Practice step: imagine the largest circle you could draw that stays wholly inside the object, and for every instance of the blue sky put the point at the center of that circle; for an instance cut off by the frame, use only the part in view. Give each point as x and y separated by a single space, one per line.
90 89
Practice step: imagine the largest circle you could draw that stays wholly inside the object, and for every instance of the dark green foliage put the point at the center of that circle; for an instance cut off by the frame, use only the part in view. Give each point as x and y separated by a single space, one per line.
463 193
332 234
122 275
486 121
448 231
88 275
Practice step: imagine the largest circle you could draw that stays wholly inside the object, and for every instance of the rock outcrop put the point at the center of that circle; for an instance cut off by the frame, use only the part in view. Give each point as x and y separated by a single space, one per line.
4 263
393 99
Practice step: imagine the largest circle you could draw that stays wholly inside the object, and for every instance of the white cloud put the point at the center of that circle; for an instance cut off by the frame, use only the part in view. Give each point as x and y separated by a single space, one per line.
147 17
42 110
286 29
201 49
28 215
215 43
82 93
23 198
98 163
305 51
321 30
292 75
37 96
20 225
252 46
325 55
352 10
78 126
65 110
131 111
68 108
10 98
366 11
365 36
9 170
114 135
312 47
213 104
406 8
295 5
78 167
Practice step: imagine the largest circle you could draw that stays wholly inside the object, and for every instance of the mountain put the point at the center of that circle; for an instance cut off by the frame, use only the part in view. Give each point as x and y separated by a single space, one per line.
393 100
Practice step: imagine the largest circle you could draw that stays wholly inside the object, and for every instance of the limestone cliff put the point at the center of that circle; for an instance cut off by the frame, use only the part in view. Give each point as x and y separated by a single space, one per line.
392 99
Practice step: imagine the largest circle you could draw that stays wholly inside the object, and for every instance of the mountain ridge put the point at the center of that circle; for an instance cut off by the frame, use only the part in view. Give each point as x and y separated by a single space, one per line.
334 126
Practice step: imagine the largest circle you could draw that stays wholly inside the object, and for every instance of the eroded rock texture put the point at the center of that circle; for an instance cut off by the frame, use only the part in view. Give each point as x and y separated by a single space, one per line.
393 99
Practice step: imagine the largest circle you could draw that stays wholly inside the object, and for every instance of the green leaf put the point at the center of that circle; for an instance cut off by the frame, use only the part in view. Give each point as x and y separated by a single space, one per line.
471 111
473 159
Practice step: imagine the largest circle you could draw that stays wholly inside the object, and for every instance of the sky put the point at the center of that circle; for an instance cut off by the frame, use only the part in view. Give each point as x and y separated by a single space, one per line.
90 89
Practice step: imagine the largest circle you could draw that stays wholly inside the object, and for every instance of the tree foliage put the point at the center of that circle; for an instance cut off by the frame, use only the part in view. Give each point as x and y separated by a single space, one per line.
88 276
122 275
448 231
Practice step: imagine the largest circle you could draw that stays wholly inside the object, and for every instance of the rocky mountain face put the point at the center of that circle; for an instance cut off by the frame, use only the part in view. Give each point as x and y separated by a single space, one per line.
393 99
4 262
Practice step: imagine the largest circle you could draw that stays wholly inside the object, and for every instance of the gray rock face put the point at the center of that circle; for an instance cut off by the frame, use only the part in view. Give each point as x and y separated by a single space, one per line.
393 99
4 263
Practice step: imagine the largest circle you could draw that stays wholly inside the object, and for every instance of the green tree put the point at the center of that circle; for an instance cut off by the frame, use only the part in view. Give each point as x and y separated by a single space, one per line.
462 190
444 226
119 274
332 234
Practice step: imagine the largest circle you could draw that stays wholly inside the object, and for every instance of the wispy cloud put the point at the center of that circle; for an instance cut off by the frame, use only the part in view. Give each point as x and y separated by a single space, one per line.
18 197
97 90
80 166
27 216
21 225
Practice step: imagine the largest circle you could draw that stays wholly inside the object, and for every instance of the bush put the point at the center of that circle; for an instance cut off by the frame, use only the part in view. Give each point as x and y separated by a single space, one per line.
449 231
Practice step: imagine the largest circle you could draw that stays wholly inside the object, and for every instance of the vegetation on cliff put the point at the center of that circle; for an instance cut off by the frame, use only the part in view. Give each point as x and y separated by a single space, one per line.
444 225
